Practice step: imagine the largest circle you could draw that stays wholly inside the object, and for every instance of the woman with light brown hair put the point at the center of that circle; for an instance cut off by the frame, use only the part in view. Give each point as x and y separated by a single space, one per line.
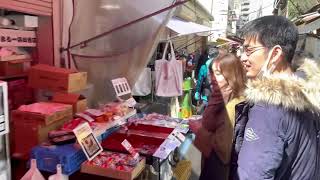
215 133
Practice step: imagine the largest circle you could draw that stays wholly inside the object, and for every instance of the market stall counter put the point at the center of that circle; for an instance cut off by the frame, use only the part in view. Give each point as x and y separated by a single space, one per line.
155 137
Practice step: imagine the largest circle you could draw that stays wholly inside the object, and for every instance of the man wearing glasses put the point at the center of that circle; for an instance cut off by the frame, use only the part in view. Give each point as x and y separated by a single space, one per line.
277 131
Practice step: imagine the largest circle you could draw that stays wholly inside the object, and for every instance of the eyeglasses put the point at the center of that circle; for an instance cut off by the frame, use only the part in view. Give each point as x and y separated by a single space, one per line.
249 50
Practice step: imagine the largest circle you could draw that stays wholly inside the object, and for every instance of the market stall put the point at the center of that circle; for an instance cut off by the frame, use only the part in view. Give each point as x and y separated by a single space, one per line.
112 140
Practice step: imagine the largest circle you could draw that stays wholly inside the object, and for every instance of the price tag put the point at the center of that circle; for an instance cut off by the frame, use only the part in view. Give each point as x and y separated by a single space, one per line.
131 102
84 116
162 152
94 112
121 86
130 149
88 142
179 136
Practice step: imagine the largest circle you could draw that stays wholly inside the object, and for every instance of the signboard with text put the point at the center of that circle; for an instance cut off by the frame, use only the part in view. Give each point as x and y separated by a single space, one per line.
17 38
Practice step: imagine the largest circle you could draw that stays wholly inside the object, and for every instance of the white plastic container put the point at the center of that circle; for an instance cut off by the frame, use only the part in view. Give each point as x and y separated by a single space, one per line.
59 175
33 173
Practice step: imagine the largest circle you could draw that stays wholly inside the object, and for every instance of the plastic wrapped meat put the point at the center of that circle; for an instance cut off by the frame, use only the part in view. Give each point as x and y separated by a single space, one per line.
116 108
116 161
155 116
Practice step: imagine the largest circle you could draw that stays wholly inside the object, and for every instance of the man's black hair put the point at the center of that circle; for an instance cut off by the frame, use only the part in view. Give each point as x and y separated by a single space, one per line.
271 31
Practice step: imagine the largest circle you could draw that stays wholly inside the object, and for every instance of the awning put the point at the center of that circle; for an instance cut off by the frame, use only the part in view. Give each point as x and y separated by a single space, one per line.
186 28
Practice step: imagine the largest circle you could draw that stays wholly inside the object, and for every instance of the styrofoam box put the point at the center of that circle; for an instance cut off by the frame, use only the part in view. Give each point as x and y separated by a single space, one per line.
24 20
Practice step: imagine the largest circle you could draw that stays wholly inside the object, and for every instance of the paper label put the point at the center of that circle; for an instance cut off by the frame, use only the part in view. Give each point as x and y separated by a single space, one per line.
121 86
162 152
95 112
88 142
179 136
84 116
130 149
131 102
174 140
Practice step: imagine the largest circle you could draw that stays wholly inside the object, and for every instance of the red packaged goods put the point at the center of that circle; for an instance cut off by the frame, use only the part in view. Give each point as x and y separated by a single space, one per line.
45 112
97 115
69 126
114 165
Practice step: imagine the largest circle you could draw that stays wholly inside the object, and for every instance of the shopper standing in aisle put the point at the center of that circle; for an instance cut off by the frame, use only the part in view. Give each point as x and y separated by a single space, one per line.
203 89
214 136
277 129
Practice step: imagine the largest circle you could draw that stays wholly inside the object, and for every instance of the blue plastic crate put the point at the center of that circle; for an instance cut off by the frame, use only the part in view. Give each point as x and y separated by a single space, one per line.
69 156
107 133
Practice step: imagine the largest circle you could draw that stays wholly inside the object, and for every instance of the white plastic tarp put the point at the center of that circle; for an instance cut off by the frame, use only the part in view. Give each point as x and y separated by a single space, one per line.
125 52
185 27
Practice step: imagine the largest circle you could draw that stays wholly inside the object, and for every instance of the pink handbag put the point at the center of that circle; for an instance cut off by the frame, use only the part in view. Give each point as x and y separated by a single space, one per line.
169 75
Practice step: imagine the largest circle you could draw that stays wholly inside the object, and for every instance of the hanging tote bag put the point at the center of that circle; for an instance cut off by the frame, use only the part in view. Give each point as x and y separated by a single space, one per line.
143 85
169 75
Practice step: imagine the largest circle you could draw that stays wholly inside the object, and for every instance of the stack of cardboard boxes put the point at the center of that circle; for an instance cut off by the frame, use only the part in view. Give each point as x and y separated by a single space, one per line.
30 124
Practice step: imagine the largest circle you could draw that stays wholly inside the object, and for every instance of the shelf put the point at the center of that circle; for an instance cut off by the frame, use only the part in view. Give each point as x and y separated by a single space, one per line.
18 28
13 76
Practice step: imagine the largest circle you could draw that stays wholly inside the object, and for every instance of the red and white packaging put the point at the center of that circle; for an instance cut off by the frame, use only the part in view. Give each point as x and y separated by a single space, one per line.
130 149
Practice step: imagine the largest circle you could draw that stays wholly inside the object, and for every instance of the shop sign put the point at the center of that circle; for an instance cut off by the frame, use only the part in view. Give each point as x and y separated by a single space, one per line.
17 38
88 142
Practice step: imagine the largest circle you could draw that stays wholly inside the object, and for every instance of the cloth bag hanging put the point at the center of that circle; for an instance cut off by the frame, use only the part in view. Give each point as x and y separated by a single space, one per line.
144 84
169 75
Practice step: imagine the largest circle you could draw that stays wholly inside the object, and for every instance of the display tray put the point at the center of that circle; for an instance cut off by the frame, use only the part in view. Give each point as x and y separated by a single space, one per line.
148 130
143 144
114 165
146 139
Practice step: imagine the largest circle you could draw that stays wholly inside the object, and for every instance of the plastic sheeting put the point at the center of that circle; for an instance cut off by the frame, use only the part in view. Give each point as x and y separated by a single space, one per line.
185 28
125 52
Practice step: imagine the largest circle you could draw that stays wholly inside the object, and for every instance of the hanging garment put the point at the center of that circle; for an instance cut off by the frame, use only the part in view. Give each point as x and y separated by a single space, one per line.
143 85
169 75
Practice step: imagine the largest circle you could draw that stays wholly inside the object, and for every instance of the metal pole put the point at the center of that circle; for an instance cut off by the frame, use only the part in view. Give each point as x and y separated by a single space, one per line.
128 24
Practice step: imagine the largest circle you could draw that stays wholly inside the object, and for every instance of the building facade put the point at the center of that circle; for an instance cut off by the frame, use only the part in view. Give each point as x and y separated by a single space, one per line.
251 9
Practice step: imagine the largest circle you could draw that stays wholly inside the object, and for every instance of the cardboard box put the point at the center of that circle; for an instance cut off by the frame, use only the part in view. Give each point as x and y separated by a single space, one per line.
112 173
56 79
13 67
78 101
24 20
26 135
19 93
15 57
24 116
